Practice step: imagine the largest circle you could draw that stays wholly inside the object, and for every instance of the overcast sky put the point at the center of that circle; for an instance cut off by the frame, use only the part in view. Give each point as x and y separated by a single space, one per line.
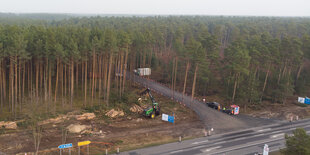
161 7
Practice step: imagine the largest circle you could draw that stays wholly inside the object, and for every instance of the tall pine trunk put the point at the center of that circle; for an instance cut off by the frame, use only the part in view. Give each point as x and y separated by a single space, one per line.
85 87
1 89
109 79
23 82
37 80
62 84
82 75
194 83
235 86
19 86
93 81
299 71
12 86
125 69
49 83
175 74
172 78
100 78
72 82
16 89
105 79
265 83
77 75
185 80
65 80
121 75
56 83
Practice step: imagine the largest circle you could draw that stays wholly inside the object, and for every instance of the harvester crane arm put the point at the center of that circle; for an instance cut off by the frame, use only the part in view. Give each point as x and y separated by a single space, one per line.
148 90
154 110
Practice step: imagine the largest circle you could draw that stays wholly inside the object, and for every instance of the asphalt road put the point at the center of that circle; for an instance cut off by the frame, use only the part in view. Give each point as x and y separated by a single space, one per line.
211 118
243 142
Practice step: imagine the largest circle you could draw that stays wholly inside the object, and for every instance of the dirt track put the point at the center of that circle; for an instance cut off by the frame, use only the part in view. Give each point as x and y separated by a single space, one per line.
211 118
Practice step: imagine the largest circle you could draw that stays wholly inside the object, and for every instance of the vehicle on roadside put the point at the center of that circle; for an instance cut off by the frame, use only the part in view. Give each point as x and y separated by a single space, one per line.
232 110
214 105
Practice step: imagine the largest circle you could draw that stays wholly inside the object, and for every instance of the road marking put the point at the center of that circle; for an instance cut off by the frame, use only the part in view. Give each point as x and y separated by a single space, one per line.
277 131
200 142
264 130
198 147
212 148
277 135
245 145
242 138
220 142
177 151
260 134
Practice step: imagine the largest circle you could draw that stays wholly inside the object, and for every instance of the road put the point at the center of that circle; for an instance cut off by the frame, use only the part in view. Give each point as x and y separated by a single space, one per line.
243 142
211 118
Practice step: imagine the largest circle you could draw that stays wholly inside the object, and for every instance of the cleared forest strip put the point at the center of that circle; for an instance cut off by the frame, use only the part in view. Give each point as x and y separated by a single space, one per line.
212 119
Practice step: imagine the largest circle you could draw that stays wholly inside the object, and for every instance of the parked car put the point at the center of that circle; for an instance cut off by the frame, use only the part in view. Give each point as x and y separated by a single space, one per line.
214 105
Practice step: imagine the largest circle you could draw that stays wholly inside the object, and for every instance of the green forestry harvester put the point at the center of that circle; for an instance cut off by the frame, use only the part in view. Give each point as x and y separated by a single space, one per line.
154 110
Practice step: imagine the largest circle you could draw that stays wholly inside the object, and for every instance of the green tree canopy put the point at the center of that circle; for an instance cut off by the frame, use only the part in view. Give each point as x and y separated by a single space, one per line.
298 144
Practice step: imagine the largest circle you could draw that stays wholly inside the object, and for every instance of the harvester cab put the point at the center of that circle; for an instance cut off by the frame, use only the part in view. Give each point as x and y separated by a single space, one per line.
153 110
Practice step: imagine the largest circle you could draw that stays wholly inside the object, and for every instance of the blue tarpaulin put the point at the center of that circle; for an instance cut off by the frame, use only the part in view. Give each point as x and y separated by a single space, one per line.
307 100
170 119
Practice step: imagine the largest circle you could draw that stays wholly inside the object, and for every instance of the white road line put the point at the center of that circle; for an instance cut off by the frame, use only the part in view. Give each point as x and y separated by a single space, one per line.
245 145
277 131
200 142
260 134
277 135
177 151
298 125
243 138
221 142
264 130
198 147
212 148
